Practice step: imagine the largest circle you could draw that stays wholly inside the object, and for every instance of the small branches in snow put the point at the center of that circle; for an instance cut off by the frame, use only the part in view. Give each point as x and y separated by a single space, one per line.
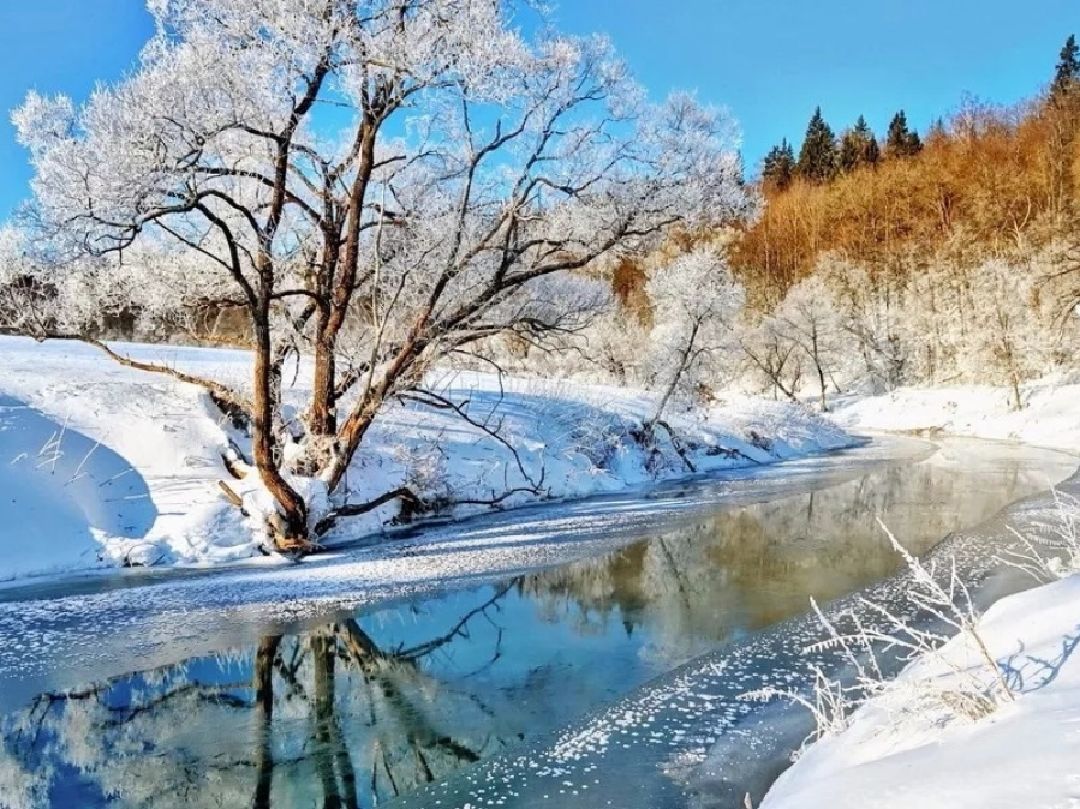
52 451
1052 550
830 702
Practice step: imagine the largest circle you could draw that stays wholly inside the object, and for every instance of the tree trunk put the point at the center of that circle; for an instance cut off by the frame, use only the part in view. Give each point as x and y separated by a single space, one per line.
291 505
684 360
352 433
322 417
821 384
815 345
358 421
339 274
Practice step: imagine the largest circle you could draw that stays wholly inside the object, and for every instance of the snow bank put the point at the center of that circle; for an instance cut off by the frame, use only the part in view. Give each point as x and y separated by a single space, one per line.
979 411
1025 754
105 465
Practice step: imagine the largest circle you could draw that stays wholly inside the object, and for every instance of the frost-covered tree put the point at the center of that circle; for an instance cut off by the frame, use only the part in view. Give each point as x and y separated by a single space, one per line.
695 301
808 318
1006 338
872 314
376 184
770 359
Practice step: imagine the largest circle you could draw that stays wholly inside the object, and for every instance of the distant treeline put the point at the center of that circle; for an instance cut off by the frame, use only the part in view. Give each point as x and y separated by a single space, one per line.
987 180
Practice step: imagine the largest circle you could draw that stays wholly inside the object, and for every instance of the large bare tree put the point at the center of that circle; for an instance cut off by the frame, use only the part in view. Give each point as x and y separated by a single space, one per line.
377 184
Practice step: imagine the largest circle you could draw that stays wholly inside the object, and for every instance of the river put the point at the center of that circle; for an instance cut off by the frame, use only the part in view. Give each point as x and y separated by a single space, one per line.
578 654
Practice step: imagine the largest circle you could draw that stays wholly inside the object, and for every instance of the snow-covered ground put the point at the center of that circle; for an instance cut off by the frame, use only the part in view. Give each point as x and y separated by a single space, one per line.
1025 754
104 465
1049 417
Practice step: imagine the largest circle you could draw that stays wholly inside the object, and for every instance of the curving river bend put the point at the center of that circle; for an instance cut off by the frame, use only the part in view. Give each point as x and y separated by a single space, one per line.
585 654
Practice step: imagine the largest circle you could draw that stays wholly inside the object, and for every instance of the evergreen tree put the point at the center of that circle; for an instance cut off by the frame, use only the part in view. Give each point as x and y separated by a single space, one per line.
862 129
901 141
1068 69
873 152
778 167
850 149
818 158
858 147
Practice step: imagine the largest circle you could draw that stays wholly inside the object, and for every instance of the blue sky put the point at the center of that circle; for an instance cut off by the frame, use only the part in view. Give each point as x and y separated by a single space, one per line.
770 61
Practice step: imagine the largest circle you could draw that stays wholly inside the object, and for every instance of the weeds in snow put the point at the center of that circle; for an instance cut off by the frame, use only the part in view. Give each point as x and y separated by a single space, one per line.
830 702
872 639
51 452
1053 553
79 473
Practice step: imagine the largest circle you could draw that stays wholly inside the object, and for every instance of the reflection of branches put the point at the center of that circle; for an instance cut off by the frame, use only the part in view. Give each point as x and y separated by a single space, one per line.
461 628
135 734
674 568
383 676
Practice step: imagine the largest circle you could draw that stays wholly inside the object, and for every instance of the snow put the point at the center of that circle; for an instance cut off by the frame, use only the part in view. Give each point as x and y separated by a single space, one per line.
979 411
102 465
897 751
1022 755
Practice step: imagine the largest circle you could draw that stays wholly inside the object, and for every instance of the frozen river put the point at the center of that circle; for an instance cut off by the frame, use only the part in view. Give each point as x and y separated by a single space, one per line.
583 654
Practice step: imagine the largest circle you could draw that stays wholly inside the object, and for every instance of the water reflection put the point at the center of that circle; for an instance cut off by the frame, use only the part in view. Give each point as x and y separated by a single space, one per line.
327 718
372 705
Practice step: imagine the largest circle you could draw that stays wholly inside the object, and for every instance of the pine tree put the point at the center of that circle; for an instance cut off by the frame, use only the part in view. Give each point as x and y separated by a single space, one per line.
901 141
1068 69
818 158
850 149
858 147
778 167
862 129
873 152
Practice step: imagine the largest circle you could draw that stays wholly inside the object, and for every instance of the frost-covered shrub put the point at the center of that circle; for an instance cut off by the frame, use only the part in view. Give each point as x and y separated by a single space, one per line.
1052 550
425 475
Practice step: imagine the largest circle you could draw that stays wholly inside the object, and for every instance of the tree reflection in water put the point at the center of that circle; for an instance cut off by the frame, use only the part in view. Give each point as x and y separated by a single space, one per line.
327 718
693 588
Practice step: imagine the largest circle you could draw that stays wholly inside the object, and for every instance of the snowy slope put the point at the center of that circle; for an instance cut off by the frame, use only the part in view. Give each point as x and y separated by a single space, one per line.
1024 755
980 411
104 465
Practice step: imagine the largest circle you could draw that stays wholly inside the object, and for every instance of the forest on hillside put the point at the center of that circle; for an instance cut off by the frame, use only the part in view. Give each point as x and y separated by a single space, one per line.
953 257
944 258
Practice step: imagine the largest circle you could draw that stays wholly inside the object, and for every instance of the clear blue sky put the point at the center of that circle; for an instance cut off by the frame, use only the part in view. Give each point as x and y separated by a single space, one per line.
770 61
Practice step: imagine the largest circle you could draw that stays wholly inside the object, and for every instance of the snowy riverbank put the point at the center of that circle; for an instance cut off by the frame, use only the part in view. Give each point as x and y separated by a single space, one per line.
896 755
921 741
1048 419
104 465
